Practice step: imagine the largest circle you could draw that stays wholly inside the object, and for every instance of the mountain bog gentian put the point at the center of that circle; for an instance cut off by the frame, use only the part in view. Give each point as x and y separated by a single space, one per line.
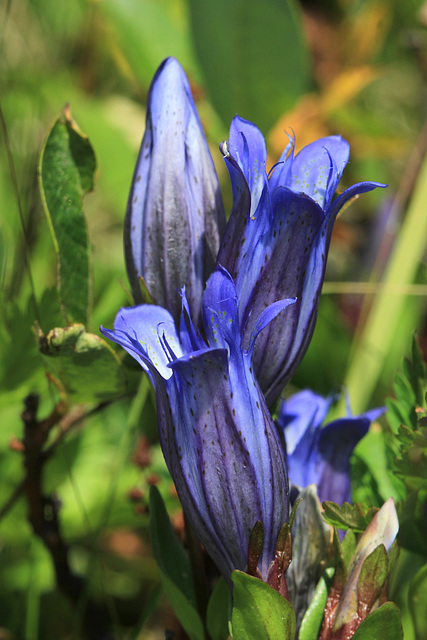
217 359
217 436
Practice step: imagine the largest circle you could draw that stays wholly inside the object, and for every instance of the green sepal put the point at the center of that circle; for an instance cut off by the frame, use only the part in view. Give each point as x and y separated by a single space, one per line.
372 578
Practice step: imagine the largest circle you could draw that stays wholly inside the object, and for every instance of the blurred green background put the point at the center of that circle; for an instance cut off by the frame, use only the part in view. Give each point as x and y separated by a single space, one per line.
352 67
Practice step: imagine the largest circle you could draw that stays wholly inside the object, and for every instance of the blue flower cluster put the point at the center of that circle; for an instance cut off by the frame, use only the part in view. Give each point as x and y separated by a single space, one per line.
234 310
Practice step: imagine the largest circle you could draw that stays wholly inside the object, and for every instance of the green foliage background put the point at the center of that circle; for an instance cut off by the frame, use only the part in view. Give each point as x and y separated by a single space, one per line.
358 69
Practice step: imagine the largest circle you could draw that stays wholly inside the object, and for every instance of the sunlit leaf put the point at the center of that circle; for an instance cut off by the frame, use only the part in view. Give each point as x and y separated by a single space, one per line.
66 174
260 612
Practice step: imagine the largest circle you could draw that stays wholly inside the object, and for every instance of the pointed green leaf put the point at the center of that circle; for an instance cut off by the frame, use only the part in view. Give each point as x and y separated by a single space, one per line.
86 366
385 622
236 42
260 612
218 611
174 566
66 172
312 620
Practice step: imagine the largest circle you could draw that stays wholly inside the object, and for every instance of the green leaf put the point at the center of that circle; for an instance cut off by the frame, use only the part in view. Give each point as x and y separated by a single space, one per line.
385 622
86 366
260 612
417 599
218 611
148 31
66 172
253 56
348 516
174 566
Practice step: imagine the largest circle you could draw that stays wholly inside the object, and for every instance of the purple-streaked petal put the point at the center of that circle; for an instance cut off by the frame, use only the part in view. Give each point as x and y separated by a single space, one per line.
175 215
280 271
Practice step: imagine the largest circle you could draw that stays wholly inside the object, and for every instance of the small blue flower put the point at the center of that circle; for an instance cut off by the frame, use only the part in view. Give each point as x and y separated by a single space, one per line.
318 454
219 441
175 215
277 238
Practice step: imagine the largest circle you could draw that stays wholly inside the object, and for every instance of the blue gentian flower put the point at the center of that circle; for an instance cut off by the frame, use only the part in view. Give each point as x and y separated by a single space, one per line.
277 238
175 215
218 439
318 454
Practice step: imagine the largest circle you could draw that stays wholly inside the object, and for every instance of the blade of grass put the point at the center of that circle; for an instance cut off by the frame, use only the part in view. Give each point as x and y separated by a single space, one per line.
382 325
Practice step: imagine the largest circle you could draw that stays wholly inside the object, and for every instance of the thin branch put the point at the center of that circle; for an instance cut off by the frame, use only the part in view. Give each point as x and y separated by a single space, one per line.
43 514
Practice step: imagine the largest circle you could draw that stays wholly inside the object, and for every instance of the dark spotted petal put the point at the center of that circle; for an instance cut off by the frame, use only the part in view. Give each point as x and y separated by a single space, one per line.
175 215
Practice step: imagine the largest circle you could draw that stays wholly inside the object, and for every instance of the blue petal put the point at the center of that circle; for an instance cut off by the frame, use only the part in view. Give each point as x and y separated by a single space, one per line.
234 239
247 145
220 312
175 215
331 471
317 168
281 174
300 413
348 194
145 331
266 317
